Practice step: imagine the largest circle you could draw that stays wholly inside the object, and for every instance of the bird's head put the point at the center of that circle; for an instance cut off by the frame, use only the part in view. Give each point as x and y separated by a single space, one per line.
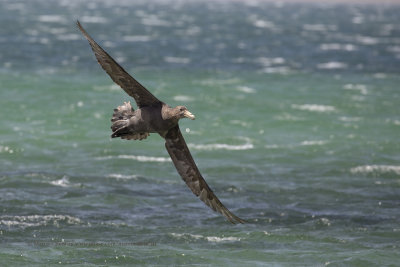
183 112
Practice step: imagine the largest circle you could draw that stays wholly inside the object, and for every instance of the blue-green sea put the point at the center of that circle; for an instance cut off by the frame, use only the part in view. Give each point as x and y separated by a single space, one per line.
297 131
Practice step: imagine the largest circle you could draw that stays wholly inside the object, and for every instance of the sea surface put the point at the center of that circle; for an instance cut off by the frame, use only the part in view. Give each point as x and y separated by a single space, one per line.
297 131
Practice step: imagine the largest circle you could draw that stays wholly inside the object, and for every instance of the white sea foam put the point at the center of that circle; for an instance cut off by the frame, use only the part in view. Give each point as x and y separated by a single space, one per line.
52 18
183 98
332 65
153 20
63 182
394 49
303 143
214 239
287 117
349 119
138 158
136 38
246 89
314 143
217 239
15 6
358 19
319 27
259 23
177 60
272 146
367 40
221 146
122 176
278 70
387 29
187 235
268 61
112 87
239 122
37 220
93 19
395 122
376 169
214 82
380 75
314 107
68 37
359 87
6 149
246 146
335 46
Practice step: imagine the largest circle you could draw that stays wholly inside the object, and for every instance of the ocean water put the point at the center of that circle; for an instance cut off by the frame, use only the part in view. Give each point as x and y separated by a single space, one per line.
297 131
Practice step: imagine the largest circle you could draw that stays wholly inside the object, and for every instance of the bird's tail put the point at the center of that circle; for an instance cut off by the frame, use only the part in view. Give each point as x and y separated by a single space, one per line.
120 123
121 116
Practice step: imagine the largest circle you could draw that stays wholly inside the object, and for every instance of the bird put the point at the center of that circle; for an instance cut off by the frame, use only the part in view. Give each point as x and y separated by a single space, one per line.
154 116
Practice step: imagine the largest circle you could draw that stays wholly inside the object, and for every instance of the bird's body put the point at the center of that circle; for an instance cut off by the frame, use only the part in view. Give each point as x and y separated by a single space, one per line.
154 116
160 118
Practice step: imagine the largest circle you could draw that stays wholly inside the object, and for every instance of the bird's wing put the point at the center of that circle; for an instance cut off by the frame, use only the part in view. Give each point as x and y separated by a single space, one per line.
184 163
132 87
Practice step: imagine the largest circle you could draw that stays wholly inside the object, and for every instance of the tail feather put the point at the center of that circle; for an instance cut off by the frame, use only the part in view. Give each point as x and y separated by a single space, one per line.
120 120
121 117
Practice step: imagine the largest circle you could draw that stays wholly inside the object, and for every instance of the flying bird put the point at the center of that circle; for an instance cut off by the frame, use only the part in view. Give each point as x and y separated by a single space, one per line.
154 116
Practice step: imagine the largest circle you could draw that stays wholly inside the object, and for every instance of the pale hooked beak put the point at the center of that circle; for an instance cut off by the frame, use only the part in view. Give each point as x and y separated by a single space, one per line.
189 115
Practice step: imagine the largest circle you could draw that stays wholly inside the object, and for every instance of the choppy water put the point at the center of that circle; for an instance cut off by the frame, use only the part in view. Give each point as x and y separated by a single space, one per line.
297 131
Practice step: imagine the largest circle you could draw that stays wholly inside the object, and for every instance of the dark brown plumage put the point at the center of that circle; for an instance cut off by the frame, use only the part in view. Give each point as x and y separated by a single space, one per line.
154 116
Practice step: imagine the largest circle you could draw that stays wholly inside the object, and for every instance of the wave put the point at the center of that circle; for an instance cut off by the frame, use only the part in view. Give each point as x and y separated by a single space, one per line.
177 60
37 220
367 40
138 158
278 70
245 146
93 19
221 146
264 24
6 149
246 89
313 143
365 169
122 176
214 239
153 20
319 27
63 182
183 98
303 143
349 119
333 65
52 19
336 46
314 107
359 87
267 61
137 38
112 87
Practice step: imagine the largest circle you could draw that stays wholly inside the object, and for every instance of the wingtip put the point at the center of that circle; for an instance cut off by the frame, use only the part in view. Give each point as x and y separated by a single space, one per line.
239 220
83 31
79 25
231 217
235 219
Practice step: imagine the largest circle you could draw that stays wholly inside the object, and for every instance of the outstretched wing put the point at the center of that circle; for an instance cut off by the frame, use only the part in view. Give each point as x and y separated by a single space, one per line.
132 87
184 163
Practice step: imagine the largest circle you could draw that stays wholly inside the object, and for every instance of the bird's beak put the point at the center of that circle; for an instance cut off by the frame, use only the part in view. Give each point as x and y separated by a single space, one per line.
189 115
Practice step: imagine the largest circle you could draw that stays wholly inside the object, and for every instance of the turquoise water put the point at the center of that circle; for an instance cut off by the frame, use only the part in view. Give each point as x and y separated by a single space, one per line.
297 131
